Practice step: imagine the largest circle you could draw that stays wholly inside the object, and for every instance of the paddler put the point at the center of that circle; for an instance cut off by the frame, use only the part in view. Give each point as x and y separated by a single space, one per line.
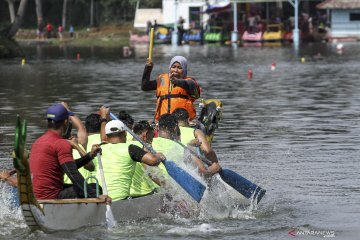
51 157
191 136
174 89
119 158
168 132
80 145
142 184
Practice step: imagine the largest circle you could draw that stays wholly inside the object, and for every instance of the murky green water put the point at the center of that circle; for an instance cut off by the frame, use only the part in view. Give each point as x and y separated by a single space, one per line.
294 131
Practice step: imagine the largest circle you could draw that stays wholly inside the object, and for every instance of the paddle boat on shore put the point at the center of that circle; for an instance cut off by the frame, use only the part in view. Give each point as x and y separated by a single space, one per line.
138 38
216 35
192 36
274 33
251 37
162 35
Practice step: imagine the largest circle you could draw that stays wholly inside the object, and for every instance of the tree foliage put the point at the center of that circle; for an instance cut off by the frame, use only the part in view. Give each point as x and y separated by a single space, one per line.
78 12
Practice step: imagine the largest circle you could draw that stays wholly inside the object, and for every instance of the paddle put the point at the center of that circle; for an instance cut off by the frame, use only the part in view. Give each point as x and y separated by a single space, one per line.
110 220
239 183
192 186
151 43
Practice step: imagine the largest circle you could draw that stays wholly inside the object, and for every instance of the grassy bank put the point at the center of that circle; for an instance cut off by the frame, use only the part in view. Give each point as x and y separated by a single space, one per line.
109 36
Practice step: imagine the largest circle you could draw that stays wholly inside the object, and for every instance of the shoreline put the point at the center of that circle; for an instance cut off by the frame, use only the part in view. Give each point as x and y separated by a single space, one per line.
108 36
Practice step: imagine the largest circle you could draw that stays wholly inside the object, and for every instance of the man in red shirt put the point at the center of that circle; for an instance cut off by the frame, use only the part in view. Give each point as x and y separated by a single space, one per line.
51 157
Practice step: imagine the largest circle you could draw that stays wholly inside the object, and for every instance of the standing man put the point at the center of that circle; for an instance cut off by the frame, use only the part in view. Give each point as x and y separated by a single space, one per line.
180 29
60 31
51 157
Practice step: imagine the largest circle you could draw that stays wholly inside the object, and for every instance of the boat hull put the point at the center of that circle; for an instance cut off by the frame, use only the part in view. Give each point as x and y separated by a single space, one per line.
72 215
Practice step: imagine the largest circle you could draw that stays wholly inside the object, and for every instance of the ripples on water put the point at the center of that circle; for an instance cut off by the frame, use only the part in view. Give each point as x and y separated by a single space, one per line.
294 131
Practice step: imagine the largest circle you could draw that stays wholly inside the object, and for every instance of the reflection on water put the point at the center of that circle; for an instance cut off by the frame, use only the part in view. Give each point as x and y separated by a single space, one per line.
294 130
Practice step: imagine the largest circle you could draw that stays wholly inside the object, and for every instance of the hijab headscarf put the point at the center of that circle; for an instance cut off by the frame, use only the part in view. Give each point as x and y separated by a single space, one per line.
182 61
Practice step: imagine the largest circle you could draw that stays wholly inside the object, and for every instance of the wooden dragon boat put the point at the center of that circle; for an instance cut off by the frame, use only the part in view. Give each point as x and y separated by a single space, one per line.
70 214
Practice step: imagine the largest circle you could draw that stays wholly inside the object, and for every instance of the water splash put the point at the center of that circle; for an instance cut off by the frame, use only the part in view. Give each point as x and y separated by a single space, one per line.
203 228
11 218
220 201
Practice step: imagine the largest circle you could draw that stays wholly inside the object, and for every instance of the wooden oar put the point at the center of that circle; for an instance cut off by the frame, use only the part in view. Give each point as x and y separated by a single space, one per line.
151 43
239 183
110 220
192 186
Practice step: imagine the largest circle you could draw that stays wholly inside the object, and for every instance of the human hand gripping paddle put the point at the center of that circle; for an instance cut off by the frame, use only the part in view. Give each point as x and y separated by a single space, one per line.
110 220
239 183
192 186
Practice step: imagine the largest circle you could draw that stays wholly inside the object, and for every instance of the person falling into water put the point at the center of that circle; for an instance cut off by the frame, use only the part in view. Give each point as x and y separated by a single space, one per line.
173 89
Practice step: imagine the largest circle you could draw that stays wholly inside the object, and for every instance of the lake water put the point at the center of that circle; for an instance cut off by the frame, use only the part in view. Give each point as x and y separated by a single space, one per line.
295 131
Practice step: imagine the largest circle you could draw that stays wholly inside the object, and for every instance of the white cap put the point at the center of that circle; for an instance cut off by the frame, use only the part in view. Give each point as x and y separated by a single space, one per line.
114 126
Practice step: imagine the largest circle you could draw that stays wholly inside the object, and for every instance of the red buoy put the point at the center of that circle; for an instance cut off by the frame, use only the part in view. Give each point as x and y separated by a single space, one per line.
273 66
250 74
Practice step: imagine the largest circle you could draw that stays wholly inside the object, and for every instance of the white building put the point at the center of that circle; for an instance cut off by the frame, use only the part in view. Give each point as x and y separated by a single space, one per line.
345 18
189 10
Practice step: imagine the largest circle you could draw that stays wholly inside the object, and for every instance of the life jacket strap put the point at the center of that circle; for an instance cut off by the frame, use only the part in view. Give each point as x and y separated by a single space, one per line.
168 96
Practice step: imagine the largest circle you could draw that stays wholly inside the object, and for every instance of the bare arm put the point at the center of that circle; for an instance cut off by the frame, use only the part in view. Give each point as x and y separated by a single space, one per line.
104 113
77 123
206 172
81 130
205 146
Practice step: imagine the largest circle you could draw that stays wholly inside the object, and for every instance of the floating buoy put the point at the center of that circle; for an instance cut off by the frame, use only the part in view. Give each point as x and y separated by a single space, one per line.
23 62
273 66
78 56
250 74
339 47
302 59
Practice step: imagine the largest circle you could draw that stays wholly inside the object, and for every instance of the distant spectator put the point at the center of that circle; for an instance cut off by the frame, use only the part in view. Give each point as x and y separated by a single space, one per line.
49 29
40 29
148 27
252 22
71 31
180 29
60 30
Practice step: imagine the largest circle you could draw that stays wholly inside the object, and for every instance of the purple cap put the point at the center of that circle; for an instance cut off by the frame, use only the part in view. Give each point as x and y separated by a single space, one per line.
58 113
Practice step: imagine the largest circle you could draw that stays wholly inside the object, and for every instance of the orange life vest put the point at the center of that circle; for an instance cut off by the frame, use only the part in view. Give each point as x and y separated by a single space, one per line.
170 98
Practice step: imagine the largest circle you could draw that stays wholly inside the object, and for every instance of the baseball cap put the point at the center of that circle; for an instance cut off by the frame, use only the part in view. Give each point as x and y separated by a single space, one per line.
58 113
114 126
